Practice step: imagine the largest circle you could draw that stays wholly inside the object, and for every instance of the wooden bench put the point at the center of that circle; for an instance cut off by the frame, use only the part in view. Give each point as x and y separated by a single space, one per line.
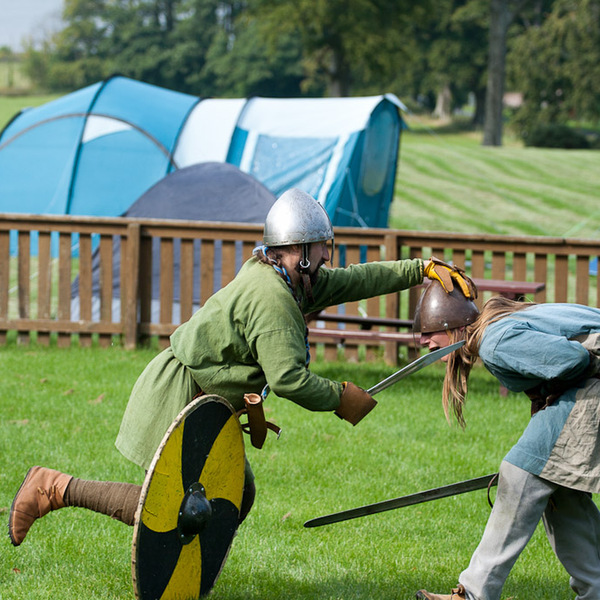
340 336
366 334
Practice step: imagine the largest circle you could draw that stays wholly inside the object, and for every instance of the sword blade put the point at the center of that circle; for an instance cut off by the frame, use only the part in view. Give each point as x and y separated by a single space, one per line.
413 367
453 489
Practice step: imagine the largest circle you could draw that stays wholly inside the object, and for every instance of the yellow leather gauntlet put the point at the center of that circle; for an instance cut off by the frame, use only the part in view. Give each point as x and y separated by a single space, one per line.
447 274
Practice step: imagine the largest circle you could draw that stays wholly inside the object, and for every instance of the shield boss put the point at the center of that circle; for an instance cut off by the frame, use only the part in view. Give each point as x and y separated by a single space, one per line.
190 503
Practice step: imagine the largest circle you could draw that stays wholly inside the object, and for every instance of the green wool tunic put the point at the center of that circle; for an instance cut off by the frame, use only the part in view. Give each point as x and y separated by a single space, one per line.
247 334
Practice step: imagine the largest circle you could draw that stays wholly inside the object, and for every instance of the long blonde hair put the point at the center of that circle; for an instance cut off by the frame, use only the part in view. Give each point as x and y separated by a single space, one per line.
460 363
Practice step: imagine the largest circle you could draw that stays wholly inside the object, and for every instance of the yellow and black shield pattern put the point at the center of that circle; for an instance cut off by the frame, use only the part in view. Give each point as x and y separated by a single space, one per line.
190 503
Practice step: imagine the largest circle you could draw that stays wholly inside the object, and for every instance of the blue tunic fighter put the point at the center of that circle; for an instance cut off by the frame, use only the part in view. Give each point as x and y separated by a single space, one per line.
550 352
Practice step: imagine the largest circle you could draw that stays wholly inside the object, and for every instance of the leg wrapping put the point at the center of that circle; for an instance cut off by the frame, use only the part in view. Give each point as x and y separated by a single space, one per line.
117 500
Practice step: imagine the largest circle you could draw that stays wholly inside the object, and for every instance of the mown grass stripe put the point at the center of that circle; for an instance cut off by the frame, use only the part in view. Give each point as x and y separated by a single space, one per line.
508 190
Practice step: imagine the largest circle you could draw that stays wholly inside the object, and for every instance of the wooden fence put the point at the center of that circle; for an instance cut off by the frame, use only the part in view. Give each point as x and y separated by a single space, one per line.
56 273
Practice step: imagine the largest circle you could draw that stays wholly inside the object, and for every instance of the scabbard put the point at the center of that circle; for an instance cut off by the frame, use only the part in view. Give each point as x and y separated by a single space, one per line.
257 426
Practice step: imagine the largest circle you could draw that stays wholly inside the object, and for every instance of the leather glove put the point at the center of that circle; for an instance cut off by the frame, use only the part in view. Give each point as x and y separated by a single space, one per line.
355 403
447 274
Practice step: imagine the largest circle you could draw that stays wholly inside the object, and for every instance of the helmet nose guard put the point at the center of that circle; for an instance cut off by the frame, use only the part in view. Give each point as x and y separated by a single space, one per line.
438 310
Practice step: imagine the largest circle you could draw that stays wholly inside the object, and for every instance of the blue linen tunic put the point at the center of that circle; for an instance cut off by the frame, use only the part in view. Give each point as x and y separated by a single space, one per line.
542 343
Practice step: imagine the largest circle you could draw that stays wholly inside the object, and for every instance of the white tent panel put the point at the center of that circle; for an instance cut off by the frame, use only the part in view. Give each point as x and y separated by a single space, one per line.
96 127
307 117
207 132
332 168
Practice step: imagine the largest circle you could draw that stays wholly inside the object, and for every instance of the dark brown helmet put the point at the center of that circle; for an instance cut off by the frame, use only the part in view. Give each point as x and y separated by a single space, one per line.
438 310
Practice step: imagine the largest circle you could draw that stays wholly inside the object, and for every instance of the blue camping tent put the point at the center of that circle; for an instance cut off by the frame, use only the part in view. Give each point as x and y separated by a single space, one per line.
96 151
342 151
92 152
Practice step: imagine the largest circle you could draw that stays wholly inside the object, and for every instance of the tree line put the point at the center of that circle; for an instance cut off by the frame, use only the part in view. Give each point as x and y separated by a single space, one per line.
433 54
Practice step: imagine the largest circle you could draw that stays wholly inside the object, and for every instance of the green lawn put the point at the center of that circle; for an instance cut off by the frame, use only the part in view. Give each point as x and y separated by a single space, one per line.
449 182
62 408
11 105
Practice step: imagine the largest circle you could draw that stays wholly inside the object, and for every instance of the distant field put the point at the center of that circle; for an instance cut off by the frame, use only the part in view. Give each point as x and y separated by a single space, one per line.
11 105
452 183
449 182
12 78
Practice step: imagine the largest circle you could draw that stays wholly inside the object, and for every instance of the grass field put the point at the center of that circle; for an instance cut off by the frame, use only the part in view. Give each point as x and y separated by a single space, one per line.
449 182
11 105
62 408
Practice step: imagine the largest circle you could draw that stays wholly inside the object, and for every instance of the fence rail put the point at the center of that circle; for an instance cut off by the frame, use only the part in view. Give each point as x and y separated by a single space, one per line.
136 278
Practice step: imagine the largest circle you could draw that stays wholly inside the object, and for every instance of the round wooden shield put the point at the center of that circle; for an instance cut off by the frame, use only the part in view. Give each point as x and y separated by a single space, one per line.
190 504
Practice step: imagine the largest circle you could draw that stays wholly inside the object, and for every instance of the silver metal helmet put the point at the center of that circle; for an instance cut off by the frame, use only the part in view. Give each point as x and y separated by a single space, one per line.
296 218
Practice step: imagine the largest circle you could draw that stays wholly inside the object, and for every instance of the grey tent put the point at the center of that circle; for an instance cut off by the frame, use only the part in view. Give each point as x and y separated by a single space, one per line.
203 192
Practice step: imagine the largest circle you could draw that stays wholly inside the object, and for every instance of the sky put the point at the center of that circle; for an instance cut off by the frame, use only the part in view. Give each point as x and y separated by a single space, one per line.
28 18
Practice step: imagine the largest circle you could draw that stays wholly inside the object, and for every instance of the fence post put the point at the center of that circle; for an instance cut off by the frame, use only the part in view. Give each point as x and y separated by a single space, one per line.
132 269
4 280
24 281
392 302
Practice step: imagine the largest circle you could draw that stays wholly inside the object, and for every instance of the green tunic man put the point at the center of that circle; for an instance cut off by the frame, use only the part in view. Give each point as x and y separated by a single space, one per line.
250 334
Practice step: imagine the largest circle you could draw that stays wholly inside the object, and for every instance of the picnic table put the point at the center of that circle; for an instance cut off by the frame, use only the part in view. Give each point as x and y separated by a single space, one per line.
515 290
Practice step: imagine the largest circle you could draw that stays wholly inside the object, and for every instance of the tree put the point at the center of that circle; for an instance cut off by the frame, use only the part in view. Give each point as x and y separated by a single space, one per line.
445 57
245 66
458 54
240 62
156 41
203 47
341 38
561 81
502 14
72 57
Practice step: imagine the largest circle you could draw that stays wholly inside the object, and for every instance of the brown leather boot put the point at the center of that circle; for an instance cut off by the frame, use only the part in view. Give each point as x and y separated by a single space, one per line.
457 594
42 490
